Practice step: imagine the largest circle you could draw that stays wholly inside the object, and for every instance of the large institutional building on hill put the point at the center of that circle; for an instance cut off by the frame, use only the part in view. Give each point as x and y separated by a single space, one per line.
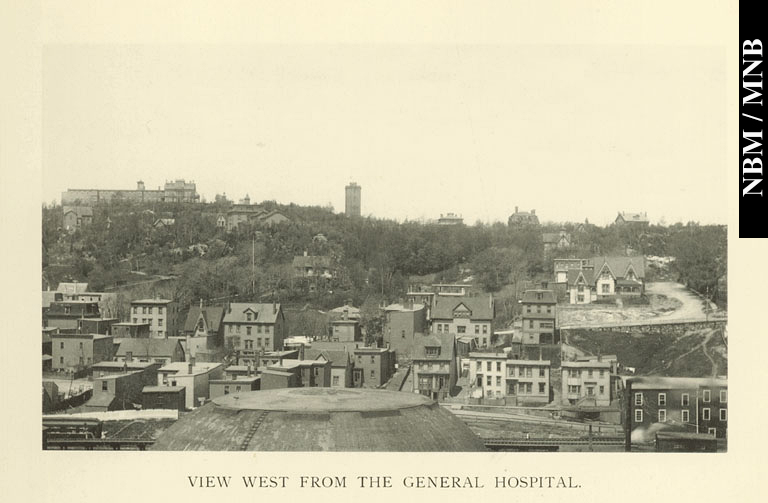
176 191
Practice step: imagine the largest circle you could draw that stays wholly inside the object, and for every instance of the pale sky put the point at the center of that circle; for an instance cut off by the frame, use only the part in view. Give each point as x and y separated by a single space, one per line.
575 132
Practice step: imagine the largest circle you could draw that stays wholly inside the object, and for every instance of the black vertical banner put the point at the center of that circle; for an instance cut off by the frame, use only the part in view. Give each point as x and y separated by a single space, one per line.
753 190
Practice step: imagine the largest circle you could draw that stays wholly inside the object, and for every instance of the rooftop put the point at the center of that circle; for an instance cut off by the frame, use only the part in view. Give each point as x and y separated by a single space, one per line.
151 301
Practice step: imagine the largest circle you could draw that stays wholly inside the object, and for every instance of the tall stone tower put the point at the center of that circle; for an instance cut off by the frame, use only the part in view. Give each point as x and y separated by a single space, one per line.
352 200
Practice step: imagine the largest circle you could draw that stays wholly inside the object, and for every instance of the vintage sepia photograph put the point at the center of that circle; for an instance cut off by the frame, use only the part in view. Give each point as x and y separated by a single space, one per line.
384 248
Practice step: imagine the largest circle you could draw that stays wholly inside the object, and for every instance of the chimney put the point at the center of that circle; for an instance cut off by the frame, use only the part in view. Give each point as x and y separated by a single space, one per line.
129 356
533 212
188 347
140 185
515 209
201 303
274 307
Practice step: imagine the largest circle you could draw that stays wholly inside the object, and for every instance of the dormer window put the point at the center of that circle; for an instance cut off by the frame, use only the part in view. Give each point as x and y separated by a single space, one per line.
248 316
432 351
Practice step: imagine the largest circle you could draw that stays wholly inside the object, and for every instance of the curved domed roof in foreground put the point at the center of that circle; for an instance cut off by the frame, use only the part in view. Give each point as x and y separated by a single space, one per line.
319 419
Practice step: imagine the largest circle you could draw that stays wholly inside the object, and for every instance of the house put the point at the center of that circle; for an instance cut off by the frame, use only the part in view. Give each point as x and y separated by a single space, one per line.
450 219
373 367
163 351
75 217
78 351
250 328
194 377
161 314
434 366
589 382
164 223
517 381
273 217
539 313
221 221
234 384
345 330
313 266
129 330
681 404
345 312
65 315
297 373
472 316
105 368
206 322
120 391
243 213
605 277
341 365
96 325
563 265
556 240
628 218
402 324
163 397
522 218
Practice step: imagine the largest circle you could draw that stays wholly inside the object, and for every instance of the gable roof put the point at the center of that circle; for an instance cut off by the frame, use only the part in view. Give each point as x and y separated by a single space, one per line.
213 316
620 265
446 343
531 297
481 307
336 357
588 274
265 313
72 287
628 216
148 347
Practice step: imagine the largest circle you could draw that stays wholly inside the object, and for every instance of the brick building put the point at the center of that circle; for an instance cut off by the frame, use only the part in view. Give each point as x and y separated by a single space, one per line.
539 314
464 316
434 368
402 324
161 314
78 351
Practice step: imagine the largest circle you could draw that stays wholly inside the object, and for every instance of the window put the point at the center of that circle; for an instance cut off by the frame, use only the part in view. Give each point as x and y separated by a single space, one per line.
477 329
589 373
144 310
249 344
638 415
541 388
237 388
712 431
160 310
461 329
402 334
488 366
373 359
590 391
498 380
639 399
686 415
529 388
662 415
104 386
488 380
335 380
478 366
542 372
580 298
530 323
62 345
529 372
159 322
723 396
498 366
247 330
439 328
135 310
528 309
707 396
61 360
135 320
266 342
538 309
237 329
685 400
602 373
485 329
226 390
705 414
247 316
549 309
81 345
723 414
662 399
606 288
602 390
258 329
